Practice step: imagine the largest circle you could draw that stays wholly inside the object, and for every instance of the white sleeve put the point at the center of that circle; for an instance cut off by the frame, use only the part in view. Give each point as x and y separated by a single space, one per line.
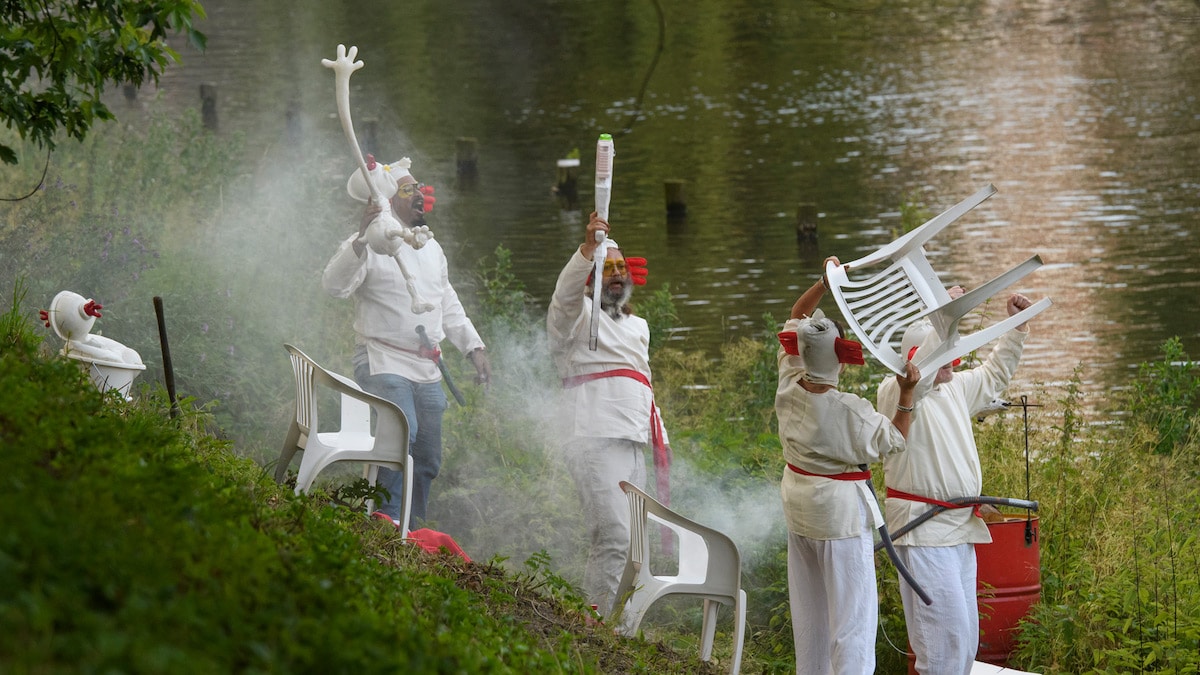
457 326
345 271
565 315
987 381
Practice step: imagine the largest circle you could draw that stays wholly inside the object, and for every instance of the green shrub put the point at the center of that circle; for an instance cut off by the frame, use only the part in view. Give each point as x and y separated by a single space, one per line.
1166 397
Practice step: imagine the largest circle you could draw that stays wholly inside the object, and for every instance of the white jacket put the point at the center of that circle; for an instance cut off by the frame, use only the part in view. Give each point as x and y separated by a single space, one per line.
614 407
942 461
829 433
383 316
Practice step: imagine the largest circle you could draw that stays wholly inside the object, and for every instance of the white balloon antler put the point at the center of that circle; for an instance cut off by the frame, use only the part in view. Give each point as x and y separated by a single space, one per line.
385 234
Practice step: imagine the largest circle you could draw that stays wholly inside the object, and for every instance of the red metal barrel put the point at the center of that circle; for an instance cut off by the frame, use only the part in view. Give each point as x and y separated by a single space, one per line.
1009 584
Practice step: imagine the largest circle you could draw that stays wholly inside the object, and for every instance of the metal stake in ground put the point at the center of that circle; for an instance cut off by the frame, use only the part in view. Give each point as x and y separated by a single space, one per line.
168 370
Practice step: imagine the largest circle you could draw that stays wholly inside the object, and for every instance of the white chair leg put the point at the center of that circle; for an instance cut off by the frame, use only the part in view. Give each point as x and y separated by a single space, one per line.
708 630
739 631
371 473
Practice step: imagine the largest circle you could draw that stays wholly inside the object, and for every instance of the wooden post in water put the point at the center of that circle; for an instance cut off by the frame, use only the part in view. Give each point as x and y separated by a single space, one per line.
676 201
806 223
466 153
567 184
208 105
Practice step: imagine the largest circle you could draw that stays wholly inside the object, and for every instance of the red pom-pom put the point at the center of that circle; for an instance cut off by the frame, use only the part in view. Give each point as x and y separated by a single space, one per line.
790 342
848 351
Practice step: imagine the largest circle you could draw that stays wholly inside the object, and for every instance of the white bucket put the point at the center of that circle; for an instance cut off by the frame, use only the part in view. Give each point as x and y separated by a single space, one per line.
109 375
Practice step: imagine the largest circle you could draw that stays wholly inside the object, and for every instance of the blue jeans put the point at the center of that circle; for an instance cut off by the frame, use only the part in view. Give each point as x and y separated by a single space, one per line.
423 405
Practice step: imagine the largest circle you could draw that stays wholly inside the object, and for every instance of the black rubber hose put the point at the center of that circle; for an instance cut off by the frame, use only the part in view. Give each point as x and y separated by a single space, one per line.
963 501
886 541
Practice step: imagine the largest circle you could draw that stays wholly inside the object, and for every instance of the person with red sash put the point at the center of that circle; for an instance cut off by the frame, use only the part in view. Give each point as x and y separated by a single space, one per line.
942 463
609 415
829 437
390 359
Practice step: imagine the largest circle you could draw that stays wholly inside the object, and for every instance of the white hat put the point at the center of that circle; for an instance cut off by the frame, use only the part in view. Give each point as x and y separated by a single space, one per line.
386 178
920 337
816 337
915 336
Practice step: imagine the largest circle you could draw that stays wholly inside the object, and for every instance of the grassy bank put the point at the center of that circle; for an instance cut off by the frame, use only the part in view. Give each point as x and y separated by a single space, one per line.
137 543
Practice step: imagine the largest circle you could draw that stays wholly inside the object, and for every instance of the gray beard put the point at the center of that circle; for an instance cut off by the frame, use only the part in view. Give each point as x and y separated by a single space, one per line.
613 304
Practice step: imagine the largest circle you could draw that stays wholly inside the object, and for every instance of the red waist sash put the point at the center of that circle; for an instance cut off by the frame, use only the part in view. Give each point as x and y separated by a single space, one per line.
849 475
434 354
898 494
662 452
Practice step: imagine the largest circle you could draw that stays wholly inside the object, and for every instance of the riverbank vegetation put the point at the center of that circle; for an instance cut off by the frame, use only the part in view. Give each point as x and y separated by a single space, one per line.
153 544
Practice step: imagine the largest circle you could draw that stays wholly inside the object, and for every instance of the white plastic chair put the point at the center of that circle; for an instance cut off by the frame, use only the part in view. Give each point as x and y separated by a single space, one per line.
881 305
353 441
709 567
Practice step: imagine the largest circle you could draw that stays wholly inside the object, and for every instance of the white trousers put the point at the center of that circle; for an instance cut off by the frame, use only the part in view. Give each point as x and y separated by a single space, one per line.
598 465
944 636
835 604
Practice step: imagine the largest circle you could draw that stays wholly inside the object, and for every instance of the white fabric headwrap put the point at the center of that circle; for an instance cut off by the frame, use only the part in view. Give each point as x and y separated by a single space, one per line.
817 335
914 336
385 176
920 334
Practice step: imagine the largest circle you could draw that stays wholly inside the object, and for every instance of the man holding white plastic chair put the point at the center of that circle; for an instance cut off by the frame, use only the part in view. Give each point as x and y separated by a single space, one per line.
827 437
942 463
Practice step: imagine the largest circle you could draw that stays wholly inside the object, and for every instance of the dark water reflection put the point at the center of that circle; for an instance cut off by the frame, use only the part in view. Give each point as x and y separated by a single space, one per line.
1085 116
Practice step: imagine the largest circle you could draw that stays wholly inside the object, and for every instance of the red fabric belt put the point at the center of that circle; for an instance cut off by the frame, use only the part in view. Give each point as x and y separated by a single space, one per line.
849 475
662 452
434 354
898 494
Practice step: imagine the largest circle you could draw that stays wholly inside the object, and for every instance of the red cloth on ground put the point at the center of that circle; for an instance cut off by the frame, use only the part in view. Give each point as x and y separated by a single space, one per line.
433 541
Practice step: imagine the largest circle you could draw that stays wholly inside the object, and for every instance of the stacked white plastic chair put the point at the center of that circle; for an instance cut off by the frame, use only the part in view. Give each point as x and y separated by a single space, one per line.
880 303
353 441
709 567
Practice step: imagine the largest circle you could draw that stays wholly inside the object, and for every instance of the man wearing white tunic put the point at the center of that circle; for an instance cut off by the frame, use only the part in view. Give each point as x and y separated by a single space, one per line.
390 360
942 463
828 438
609 412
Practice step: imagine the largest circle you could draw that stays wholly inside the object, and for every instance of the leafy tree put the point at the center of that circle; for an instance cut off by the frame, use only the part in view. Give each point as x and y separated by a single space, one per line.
57 57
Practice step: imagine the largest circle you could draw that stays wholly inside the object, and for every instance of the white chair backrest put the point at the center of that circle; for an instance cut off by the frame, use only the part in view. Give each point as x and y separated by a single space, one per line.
879 305
306 407
708 564
353 441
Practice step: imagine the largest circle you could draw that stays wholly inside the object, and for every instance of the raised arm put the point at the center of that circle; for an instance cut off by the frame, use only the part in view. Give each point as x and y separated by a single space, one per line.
808 301
565 313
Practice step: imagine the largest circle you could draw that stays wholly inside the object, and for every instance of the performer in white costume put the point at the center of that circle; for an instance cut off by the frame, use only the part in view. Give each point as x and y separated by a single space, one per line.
609 411
942 463
390 359
828 438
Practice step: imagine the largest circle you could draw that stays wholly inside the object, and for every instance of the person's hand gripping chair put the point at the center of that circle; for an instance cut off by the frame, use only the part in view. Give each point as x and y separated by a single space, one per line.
709 567
880 304
353 441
